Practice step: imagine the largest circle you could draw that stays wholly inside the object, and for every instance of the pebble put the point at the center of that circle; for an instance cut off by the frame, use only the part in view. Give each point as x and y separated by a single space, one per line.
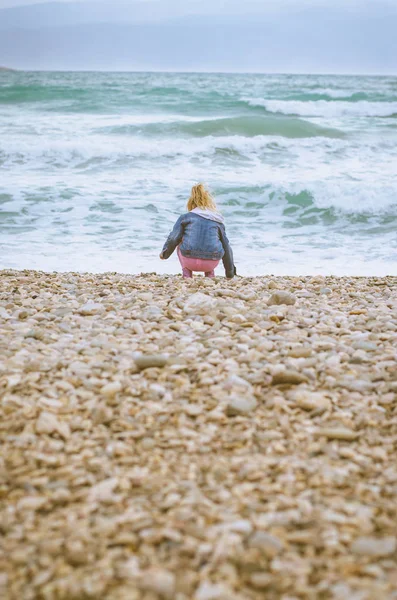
338 433
4 314
104 491
47 423
366 346
310 400
360 356
281 298
91 308
261 580
159 581
148 443
375 547
102 414
193 410
243 526
200 304
111 389
288 377
198 478
35 334
213 591
240 405
151 360
300 352
31 503
269 544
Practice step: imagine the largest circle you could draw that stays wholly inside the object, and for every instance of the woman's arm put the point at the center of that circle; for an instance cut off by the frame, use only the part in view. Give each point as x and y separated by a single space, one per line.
228 261
174 239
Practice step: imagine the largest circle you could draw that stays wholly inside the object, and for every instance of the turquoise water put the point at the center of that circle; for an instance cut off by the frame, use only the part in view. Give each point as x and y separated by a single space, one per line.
96 167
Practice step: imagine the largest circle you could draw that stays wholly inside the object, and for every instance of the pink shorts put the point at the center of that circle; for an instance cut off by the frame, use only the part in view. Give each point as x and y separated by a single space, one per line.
197 264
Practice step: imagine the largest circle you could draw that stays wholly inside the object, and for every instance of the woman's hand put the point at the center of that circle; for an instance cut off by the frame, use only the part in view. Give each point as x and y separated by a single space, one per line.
162 257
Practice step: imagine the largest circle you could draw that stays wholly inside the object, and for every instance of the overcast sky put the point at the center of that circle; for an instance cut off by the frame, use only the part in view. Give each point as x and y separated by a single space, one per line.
224 3
227 4
317 36
10 3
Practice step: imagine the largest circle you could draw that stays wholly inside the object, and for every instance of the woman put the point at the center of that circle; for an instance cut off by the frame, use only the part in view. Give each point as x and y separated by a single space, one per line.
200 235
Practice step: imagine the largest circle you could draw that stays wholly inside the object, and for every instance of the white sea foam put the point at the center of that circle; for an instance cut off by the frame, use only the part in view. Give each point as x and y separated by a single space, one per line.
41 152
326 108
335 93
338 174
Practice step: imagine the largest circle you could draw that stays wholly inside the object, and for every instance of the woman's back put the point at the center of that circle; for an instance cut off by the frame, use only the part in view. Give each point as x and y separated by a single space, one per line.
202 237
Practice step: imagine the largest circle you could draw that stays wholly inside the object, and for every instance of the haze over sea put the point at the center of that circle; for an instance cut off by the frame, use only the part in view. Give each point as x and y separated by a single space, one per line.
96 167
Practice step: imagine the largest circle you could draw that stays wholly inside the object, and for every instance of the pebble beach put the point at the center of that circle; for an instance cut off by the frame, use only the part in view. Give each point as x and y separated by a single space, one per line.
204 439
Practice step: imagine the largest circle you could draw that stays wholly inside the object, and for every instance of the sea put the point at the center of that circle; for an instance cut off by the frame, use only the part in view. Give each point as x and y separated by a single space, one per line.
96 167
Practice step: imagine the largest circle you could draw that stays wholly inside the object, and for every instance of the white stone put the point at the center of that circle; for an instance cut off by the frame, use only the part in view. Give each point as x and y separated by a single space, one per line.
200 304
91 308
310 400
159 581
212 591
31 503
364 345
111 389
267 543
376 547
242 526
47 423
240 405
360 356
4 314
103 491
338 433
236 382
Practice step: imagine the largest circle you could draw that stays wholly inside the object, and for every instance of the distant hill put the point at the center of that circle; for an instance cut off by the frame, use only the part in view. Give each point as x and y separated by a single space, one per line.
6 69
154 35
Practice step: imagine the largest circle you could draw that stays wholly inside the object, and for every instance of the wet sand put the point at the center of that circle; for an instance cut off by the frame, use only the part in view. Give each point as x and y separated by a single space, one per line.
214 440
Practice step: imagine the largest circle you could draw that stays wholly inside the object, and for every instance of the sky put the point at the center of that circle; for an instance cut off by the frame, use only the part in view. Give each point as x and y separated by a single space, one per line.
262 5
11 3
225 7
304 36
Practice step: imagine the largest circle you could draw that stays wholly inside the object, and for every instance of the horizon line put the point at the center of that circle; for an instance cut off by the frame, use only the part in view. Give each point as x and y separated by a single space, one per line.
201 72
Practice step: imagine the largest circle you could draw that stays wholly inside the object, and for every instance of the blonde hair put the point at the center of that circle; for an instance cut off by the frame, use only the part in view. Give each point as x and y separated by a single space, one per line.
200 198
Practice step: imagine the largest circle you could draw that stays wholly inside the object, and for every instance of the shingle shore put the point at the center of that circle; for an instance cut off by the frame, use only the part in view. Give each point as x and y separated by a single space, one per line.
170 439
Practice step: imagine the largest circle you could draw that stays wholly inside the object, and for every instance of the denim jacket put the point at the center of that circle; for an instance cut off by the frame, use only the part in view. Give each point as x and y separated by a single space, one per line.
200 238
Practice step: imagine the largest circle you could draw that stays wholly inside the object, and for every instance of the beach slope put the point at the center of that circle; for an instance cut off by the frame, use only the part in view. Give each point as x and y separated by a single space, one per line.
207 439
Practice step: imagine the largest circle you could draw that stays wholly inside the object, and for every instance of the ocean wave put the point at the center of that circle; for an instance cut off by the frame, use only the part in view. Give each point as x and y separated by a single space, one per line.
97 152
349 94
324 108
246 126
43 93
243 199
163 125
342 171
358 202
324 93
300 204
